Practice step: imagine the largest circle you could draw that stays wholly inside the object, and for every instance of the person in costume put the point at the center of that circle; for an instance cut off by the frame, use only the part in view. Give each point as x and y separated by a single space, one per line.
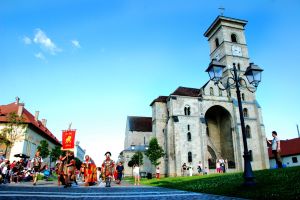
37 163
108 169
90 171
59 171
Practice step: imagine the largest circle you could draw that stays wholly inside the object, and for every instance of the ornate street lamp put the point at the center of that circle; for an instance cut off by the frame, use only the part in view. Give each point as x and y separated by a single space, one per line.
253 74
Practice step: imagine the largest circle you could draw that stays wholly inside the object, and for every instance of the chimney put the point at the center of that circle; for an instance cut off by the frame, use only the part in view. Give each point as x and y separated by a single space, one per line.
20 109
36 115
44 122
17 100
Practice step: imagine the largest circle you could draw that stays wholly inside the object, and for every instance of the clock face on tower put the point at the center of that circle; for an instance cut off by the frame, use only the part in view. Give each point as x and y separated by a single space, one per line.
236 50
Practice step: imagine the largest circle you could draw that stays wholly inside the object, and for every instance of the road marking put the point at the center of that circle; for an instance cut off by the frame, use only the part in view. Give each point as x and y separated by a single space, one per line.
99 196
84 193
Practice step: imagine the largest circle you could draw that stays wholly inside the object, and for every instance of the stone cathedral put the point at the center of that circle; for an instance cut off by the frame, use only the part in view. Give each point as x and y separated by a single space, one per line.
203 124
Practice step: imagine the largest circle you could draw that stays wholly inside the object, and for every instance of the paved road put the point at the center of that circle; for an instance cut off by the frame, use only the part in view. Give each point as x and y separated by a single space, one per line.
47 191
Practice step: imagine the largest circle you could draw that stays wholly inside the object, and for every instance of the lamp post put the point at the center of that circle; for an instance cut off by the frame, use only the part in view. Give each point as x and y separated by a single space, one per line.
253 74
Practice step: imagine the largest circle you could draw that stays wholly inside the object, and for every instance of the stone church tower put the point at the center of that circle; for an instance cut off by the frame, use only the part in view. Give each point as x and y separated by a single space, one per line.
203 124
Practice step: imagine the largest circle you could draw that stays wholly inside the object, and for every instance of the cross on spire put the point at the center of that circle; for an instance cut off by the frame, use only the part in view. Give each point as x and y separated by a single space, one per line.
222 10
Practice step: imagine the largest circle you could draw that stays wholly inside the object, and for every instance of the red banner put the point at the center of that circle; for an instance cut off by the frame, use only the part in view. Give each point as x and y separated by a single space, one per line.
68 139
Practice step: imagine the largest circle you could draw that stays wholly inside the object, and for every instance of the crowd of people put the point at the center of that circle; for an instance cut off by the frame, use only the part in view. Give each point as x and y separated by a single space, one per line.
65 168
22 170
88 172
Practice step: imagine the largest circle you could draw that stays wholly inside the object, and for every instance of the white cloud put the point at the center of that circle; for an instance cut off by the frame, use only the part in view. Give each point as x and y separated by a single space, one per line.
75 43
46 44
27 40
40 56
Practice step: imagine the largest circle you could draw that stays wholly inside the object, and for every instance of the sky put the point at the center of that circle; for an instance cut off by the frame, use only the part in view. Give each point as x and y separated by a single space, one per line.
95 62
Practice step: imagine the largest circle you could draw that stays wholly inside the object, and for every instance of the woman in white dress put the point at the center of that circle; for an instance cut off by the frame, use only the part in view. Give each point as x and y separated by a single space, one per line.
136 174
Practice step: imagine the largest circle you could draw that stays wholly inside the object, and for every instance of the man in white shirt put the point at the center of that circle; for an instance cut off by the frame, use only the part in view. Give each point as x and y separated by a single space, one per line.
276 149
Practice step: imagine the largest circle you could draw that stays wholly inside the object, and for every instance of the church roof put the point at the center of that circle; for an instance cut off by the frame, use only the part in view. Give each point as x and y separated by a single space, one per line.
180 91
287 147
223 18
141 124
160 99
185 91
28 119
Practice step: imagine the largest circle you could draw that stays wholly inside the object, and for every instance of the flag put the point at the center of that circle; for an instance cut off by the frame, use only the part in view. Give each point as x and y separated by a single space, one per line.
68 139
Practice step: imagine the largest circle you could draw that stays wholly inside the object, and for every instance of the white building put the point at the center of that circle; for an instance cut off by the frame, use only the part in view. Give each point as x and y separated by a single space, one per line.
31 134
203 124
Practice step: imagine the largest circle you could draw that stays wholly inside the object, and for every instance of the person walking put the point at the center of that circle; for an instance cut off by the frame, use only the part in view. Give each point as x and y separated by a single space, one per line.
183 169
276 148
120 170
136 174
199 167
157 173
37 163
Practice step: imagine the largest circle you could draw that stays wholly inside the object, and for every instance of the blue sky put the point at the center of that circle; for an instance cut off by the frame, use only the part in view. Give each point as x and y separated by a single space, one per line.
93 63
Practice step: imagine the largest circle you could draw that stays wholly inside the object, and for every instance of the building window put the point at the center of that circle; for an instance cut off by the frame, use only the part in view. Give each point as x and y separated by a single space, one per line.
189 136
220 92
190 157
243 96
233 38
248 131
251 155
294 159
217 42
188 127
245 112
211 91
239 66
187 110
144 140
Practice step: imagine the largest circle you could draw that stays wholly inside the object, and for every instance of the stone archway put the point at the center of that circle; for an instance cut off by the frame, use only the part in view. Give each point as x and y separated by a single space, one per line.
219 133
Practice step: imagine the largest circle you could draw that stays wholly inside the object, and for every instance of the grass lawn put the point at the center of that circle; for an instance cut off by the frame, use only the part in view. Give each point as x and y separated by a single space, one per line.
271 184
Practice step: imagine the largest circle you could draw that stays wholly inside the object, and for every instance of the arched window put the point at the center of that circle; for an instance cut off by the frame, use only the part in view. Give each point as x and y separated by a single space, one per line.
239 66
233 38
248 131
187 110
243 96
211 91
217 42
245 112
190 157
188 127
189 136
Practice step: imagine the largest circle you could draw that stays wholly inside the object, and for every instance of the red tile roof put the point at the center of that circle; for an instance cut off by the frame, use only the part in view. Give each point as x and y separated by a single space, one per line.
288 147
141 124
29 119
160 99
184 91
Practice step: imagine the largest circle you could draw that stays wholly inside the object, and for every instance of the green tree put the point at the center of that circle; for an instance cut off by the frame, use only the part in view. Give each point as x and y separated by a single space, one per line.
130 163
44 149
137 158
55 153
154 152
13 131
